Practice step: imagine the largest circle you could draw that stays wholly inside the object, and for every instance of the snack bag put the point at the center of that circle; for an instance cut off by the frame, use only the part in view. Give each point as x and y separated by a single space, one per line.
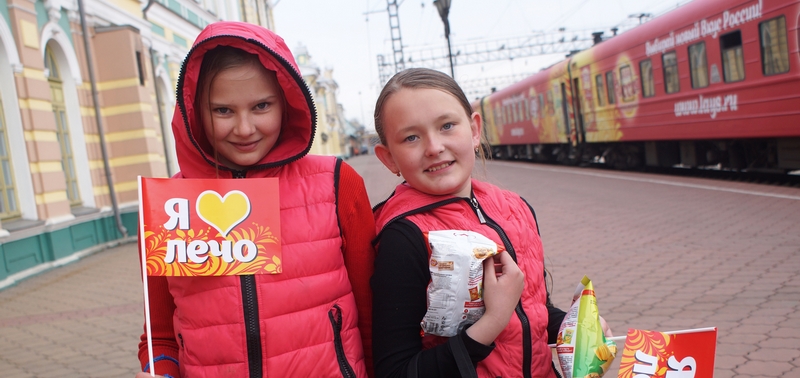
582 348
455 293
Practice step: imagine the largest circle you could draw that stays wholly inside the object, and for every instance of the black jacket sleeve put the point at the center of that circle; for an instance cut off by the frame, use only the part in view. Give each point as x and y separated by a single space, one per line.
399 288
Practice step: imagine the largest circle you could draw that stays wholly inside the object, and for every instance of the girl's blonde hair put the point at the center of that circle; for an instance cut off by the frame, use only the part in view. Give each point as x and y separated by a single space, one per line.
417 78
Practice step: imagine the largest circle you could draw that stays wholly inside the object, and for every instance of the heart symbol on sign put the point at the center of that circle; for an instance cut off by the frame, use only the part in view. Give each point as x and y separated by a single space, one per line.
223 213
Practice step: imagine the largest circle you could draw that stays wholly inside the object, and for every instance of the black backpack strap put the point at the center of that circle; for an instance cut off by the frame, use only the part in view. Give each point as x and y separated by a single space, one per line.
412 367
460 354
555 370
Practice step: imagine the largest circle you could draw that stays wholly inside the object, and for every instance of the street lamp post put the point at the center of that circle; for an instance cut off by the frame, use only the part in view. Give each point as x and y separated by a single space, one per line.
443 6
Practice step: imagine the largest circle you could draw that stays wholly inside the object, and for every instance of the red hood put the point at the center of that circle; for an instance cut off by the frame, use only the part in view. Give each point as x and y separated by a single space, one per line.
300 117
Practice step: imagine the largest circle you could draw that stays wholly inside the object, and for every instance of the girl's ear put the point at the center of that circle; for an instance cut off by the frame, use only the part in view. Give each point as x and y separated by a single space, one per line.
476 125
383 154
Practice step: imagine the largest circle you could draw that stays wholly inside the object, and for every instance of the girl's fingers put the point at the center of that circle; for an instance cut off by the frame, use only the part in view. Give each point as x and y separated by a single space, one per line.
489 270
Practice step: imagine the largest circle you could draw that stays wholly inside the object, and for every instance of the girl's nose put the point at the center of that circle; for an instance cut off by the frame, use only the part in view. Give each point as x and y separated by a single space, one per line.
435 147
244 127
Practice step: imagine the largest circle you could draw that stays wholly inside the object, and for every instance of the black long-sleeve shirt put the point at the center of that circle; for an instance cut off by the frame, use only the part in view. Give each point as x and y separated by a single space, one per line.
399 287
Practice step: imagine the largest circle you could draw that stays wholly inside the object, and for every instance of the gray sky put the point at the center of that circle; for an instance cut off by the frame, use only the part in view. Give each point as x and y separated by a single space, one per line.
347 35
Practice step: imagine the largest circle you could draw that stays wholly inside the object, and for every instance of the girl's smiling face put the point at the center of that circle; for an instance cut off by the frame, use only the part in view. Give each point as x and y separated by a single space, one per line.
430 140
243 115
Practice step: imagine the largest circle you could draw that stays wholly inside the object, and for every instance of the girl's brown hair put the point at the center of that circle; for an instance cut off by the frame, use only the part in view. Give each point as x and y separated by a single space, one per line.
416 78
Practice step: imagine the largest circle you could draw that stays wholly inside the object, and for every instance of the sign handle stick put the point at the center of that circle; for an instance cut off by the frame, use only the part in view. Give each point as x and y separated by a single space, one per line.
144 283
694 330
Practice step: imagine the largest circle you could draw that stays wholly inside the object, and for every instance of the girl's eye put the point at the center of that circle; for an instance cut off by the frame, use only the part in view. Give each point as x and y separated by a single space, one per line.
262 106
448 126
411 138
222 110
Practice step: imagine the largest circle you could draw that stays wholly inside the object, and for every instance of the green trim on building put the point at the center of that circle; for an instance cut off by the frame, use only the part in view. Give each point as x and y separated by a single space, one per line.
41 14
180 40
158 29
19 255
64 23
4 12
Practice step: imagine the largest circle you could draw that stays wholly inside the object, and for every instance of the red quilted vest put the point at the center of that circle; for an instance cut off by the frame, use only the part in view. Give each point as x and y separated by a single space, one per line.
505 218
305 317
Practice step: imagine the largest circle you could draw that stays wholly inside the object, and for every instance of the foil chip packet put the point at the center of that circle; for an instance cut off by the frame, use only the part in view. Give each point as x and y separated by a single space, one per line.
455 293
581 345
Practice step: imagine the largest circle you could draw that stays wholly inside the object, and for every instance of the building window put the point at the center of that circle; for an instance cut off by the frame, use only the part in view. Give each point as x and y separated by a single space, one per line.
671 79
774 47
610 87
62 128
600 89
732 56
8 194
628 83
698 63
648 84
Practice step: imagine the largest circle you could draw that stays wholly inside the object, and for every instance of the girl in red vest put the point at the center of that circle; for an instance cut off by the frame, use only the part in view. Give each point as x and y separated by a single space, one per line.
244 111
430 136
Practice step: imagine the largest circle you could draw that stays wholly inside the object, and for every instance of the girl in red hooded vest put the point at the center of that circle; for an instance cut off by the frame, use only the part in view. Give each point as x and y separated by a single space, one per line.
244 111
430 136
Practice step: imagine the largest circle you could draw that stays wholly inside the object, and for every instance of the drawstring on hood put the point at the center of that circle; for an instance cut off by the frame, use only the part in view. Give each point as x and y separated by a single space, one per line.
299 120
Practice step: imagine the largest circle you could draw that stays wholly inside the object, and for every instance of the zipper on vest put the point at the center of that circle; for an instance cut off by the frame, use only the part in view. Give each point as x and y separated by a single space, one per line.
252 328
478 212
335 315
523 317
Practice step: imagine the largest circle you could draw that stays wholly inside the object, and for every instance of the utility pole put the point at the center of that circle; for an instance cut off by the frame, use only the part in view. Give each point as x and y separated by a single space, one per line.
397 41
443 6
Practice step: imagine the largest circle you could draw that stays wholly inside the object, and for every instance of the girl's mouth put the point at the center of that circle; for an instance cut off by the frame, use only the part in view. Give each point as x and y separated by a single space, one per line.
245 146
439 167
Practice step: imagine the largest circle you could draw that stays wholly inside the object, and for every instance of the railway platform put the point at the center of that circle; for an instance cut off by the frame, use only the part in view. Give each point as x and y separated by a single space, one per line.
664 253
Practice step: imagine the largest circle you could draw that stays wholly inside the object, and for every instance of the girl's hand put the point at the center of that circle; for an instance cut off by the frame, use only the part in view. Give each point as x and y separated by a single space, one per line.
606 328
503 282
147 375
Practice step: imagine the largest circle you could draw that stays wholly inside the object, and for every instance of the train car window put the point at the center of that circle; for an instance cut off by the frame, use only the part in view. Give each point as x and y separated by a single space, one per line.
648 85
610 87
526 110
671 80
774 47
600 89
541 103
732 56
498 116
627 82
698 63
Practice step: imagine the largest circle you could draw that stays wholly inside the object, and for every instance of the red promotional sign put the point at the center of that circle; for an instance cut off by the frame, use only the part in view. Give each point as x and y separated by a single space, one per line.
210 227
651 354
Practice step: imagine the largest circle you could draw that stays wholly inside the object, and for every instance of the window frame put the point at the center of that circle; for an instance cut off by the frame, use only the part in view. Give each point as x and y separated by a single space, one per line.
610 90
600 88
668 76
785 45
651 82
692 67
739 56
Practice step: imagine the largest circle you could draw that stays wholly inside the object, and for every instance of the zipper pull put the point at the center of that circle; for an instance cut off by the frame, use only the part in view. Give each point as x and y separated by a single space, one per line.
474 202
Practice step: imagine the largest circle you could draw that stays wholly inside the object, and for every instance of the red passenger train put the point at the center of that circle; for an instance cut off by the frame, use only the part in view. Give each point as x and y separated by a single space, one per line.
710 84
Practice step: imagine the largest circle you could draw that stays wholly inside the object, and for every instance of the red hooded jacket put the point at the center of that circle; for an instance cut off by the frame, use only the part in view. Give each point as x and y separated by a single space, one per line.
303 321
